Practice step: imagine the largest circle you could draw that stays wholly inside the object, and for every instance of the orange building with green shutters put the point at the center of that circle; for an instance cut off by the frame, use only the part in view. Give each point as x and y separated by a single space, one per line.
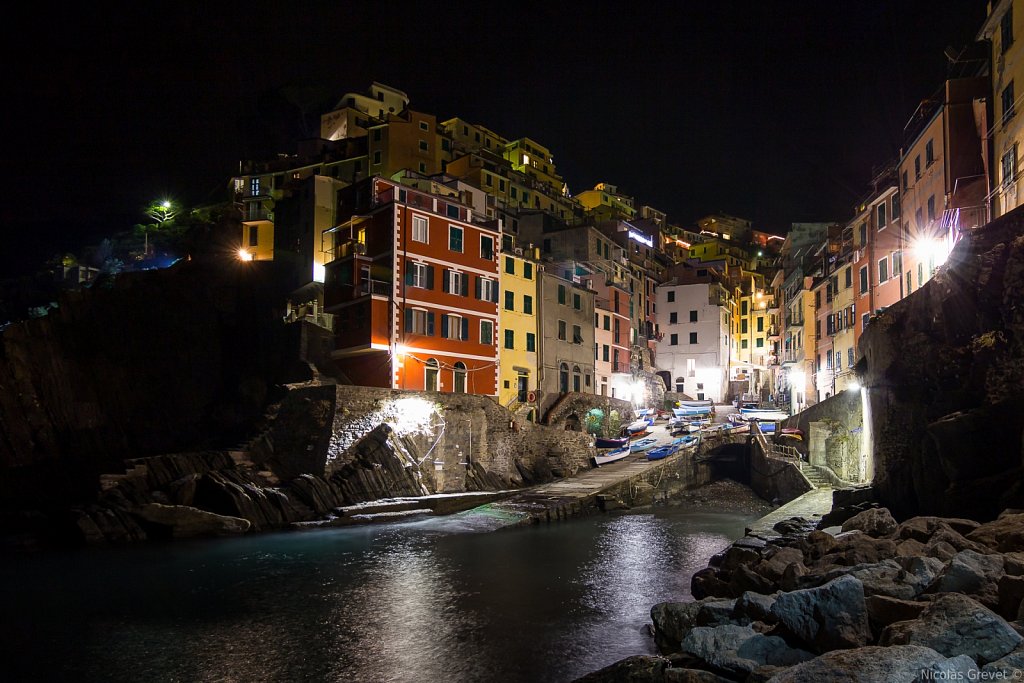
413 284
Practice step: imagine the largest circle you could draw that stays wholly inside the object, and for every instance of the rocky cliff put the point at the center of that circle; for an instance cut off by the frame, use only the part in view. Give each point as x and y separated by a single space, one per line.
147 363
944 374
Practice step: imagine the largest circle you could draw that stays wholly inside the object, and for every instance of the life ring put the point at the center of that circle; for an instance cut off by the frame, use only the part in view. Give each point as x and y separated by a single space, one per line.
531 397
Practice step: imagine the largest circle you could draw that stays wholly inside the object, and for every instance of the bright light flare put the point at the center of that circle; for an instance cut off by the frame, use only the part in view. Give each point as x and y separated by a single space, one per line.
853 386
930 250
413 415
245 255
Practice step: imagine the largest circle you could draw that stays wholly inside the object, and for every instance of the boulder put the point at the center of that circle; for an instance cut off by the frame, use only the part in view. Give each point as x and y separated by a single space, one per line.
1013 563
1006 668
673 620
921 571
753 607
897 664
818 543
828 617
974 574
182 521
856 547
958 541
910 548
883 610
740 649
1005 534
1011 595
792 577
875 522
776 561
954 624
795 525
714 612
734 556
941 551
692 676
923 528
707 583
745 579
635 669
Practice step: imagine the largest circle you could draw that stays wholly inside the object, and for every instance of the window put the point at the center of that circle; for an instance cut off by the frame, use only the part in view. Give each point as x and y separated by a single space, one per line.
760 324
671 295
254 235
459 375
743 343
929 153
693 316
563 378
1009 166
693 337
424 146
486 289
906 185
917 167
863 279
456 283
510 339
561 330
528 271
419 321
454 327
454 238
863 234
531 341
897 263
1007 102
864 319
743 307
527 304
486 247
510 299
607 323
577 302
849 357
895 207
420 275
883 270
1006 29
376 158
430 376
420 232
486 332
561 294
576 378
881 216
760 342
743 326
919 217
931 208
909 289
510 265
604 353
673 340
577 334
254 187
673 318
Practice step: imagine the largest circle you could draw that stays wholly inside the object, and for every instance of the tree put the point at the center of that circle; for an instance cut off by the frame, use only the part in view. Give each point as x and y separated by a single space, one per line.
163 211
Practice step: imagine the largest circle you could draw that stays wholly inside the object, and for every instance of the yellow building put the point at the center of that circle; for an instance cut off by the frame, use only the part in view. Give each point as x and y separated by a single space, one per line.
750 333
517 327
605 201
533 160
844 324
1004 28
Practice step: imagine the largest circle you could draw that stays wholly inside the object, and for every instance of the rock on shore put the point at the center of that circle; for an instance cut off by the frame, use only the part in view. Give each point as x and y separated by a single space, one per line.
927 599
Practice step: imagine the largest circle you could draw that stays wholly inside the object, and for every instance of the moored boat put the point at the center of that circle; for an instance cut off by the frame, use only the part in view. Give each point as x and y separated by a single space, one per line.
603 442
611 456
642 444
637 427
661 452
763 414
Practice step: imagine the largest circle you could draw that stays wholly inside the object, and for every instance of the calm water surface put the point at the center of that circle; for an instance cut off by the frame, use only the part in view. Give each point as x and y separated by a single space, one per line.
421 601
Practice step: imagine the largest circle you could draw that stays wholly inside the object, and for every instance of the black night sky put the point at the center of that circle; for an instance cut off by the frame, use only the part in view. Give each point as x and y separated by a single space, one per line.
774 111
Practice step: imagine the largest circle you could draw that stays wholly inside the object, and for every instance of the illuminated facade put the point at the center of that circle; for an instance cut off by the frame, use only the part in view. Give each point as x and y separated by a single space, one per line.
1004 28
518 308
414 289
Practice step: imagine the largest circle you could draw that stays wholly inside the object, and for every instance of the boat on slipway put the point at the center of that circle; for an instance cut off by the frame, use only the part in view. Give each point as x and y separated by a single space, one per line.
643 444
611 456
602 442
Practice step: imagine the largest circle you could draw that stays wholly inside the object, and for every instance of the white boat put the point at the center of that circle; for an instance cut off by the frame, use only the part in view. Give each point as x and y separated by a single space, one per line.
763 415
638 426
611 456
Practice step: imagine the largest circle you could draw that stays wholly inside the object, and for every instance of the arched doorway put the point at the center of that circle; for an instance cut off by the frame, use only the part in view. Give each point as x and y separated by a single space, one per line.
576 378
430 375
563 378
460 378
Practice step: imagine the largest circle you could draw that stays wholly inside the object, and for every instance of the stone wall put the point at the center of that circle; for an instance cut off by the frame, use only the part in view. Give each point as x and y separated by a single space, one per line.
570 410
455 439
944 372
773 478
833 431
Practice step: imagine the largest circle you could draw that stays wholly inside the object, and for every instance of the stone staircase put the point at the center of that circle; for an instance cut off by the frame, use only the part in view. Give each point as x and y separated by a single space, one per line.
815 476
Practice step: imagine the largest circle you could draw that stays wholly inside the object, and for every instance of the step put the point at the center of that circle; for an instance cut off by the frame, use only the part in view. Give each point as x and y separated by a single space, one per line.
379 506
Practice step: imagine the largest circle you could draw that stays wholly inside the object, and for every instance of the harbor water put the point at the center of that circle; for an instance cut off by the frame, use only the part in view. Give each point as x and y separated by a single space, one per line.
430 600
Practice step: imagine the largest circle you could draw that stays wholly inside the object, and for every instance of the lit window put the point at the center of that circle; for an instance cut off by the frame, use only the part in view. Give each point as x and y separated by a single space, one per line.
420 231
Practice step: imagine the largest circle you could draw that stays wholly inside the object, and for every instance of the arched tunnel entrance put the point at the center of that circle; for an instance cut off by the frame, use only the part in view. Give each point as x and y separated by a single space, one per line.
729 460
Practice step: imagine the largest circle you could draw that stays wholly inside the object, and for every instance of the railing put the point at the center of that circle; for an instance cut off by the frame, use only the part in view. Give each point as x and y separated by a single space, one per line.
348 248
376 287
256 212
620 367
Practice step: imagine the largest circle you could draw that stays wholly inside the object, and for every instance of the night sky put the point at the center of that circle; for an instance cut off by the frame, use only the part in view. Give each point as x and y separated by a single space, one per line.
773 111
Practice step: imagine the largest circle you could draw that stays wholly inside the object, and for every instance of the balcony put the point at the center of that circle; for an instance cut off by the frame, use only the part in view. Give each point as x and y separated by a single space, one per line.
378 287
621 367
255 211
348 248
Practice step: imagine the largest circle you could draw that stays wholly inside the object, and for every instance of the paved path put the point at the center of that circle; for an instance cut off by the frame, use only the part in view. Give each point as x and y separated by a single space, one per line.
812 504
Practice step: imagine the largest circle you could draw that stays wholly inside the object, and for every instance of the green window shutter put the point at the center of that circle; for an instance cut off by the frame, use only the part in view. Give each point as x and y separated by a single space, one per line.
408 320
465 329
445 279
444 325
430 324
465 284
430 277
479 286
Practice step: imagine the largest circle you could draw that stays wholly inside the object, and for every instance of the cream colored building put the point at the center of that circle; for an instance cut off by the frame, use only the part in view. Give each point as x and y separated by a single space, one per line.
1004 28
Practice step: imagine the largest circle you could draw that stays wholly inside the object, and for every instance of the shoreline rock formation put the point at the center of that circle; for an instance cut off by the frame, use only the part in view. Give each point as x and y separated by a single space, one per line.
926 599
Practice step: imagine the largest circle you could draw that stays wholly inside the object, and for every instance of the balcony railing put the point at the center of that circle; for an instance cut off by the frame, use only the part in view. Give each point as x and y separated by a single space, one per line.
620 367
253 211
378 287
348 248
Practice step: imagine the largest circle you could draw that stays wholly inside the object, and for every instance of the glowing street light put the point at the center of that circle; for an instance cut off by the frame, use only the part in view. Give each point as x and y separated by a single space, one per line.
245 255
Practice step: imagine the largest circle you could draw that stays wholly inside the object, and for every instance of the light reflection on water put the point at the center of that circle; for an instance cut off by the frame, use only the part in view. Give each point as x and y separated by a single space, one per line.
421 601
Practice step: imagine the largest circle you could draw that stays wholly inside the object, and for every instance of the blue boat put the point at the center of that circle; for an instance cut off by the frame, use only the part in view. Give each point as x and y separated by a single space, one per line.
643 444
698 411
661 452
